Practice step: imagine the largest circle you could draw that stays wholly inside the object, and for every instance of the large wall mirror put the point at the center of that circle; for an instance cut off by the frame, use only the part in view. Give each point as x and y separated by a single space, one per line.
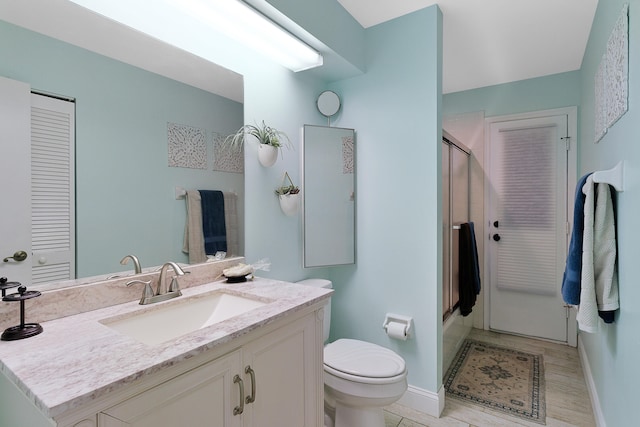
138 135
328 194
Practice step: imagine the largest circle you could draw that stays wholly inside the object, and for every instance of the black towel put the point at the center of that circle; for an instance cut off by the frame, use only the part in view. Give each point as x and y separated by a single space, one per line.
214 228
469 278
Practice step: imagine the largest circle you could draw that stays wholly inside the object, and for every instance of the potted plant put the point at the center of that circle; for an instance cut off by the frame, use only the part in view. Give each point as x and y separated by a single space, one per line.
270 140
289 196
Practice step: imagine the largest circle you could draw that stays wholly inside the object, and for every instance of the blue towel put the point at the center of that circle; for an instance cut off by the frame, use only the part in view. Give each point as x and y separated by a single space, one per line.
571 282
214 228
469 274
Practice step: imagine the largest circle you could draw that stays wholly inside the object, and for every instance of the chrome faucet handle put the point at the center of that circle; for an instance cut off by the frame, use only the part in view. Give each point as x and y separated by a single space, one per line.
147 292
136 262
162 287
174 286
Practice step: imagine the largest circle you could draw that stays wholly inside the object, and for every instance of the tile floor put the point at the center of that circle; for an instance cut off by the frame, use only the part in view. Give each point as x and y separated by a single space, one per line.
567 397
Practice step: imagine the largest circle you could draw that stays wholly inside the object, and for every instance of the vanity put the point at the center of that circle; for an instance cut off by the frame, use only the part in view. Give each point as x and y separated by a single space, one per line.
256 360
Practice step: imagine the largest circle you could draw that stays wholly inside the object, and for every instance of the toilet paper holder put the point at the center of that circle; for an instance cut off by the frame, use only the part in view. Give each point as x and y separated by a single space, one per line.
401 319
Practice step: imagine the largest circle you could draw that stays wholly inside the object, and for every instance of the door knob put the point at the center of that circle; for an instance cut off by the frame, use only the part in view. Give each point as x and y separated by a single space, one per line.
496 224
18 256
496 237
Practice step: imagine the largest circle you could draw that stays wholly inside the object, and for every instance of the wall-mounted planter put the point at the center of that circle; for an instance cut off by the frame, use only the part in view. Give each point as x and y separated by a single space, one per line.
290 203
269 141
267 155
288 195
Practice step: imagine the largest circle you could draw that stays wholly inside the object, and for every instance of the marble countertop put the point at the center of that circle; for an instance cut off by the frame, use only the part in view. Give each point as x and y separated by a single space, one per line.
78 359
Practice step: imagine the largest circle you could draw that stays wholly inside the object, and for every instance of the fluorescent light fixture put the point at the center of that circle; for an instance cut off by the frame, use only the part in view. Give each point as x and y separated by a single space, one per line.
242 23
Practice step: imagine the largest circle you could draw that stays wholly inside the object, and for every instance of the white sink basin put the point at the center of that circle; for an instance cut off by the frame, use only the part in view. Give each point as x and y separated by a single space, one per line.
181 316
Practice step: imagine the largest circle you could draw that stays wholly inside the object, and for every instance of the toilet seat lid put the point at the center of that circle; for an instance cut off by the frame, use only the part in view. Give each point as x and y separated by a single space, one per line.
363 359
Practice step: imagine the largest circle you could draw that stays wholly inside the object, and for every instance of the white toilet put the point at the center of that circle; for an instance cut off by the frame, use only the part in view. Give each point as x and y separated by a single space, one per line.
360 378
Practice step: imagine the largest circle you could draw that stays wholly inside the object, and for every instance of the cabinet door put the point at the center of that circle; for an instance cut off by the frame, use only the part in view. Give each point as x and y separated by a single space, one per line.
287 366
205 396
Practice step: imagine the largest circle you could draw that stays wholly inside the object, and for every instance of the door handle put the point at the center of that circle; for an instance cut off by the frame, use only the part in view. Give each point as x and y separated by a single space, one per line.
18 256
496 237
496 224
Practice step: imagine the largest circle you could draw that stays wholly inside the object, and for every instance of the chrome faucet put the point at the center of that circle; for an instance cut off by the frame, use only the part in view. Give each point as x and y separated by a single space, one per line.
162 293
162 285
136 262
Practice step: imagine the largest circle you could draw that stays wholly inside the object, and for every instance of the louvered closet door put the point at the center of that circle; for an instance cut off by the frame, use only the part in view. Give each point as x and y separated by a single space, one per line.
52 189
528 217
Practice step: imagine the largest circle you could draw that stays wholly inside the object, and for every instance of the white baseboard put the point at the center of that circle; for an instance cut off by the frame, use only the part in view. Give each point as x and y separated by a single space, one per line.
591 385
424 401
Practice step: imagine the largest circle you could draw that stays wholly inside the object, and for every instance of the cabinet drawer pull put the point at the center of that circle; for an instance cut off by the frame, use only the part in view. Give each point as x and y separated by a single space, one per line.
239 409
252 374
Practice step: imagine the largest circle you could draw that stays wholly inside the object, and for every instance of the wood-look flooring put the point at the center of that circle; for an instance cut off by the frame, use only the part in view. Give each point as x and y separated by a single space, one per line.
567 398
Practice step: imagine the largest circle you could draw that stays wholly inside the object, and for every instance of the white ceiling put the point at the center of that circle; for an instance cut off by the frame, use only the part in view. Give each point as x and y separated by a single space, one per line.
488 42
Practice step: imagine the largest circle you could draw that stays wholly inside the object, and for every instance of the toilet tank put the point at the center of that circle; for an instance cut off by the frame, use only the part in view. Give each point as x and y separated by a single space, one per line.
322 283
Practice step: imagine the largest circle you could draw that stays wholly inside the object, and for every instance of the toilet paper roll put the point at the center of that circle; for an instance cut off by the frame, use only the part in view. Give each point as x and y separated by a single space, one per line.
397 331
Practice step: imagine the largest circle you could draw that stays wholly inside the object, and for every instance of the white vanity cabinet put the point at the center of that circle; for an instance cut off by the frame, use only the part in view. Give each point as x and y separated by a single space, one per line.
279 373
288 376
200 397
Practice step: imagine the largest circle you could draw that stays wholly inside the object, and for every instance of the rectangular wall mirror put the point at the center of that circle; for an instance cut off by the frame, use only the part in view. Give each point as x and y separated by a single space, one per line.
328 196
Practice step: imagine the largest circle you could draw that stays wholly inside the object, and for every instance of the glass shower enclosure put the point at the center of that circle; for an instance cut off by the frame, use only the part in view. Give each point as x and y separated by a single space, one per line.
455 205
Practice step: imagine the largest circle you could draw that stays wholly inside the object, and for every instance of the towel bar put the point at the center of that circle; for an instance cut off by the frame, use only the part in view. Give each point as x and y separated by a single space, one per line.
614 176
180 193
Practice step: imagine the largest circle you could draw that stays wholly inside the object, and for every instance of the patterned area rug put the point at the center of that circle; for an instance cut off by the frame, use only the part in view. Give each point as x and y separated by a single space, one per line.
499 378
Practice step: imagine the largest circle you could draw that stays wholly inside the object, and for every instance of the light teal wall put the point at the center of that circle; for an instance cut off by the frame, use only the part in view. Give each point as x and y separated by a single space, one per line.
17 408
286 101
125 190
395 109
398 268
542 93
612 351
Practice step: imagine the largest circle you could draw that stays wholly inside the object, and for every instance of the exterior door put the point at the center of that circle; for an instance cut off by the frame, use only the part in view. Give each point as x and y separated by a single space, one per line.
528 224
15 166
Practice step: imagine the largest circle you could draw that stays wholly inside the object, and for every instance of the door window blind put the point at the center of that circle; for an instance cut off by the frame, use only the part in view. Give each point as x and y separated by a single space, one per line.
527 189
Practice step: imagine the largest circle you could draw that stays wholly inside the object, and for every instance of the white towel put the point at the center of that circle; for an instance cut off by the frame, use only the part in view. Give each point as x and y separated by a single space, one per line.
605 251
231 223
588 310
599 277
193 235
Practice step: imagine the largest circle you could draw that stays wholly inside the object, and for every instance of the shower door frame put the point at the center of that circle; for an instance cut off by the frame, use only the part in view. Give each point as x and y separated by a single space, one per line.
453 144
